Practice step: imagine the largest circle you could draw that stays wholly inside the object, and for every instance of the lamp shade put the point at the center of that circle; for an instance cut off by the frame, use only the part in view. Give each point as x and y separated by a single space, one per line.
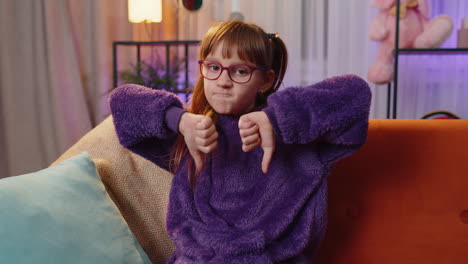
144 11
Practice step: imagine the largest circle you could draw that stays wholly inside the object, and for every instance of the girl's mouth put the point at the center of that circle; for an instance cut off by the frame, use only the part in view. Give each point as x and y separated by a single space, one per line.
223 95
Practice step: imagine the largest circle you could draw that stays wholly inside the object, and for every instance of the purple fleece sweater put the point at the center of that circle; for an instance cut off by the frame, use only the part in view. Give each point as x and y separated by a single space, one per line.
235 213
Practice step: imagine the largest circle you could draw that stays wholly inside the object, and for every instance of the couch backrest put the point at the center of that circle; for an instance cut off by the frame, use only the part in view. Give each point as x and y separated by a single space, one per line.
402 198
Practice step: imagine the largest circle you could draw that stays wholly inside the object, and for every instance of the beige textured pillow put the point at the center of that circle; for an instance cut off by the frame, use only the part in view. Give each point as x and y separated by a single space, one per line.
139 188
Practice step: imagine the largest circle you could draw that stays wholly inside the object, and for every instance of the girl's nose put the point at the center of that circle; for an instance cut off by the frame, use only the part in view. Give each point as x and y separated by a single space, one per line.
224 80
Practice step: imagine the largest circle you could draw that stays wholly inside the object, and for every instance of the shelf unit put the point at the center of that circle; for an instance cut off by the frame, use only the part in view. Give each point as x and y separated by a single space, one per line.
392 92
166 44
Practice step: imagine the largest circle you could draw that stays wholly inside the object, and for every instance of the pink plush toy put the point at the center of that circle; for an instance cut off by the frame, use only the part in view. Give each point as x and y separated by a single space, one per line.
416 31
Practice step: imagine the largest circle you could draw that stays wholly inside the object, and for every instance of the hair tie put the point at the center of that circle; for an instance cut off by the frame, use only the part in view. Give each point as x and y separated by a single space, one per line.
272 35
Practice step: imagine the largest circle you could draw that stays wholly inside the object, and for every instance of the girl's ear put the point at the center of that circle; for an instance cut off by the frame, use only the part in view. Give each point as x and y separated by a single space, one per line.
269 79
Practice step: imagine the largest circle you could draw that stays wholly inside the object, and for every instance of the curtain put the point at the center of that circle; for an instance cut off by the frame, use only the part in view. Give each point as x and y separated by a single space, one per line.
324 37
55 72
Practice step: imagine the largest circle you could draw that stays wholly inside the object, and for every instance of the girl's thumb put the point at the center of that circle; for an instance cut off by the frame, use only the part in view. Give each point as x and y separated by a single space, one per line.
198 158
267 156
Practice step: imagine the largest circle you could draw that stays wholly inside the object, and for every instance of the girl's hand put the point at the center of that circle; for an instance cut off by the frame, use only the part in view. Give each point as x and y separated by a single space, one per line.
200 136
255 130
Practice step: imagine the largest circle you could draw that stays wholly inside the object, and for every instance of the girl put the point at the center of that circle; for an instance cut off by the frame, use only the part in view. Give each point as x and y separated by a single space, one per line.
250 163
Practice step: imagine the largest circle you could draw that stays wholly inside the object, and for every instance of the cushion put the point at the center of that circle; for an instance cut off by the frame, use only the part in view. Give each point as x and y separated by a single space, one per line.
138 187
63 214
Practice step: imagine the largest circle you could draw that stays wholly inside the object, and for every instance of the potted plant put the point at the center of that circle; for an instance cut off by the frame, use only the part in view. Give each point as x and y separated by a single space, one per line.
156 76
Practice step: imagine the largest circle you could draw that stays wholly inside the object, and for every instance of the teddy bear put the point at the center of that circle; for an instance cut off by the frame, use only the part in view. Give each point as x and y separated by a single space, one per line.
416 29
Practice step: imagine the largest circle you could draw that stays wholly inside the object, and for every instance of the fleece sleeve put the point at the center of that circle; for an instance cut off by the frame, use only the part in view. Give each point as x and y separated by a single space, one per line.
146 121
332 115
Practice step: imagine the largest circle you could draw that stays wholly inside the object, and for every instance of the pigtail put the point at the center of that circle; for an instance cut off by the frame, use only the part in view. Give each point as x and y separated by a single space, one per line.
279 63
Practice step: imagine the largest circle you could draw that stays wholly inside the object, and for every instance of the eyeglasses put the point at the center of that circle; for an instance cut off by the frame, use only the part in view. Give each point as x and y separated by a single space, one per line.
239 73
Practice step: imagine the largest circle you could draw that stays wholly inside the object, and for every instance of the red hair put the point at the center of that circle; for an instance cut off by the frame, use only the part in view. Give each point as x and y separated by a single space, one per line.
253 45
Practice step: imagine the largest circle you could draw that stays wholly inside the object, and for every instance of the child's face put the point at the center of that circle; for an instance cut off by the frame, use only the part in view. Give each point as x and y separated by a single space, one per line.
228 97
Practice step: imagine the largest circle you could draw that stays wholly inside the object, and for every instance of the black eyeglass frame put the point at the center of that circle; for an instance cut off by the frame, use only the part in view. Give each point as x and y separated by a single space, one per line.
252 69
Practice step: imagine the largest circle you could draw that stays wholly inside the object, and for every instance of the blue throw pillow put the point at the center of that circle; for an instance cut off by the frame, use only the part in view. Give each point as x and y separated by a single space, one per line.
63 214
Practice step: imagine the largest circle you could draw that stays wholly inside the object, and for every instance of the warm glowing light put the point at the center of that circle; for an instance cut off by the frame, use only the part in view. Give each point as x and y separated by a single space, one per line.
144 11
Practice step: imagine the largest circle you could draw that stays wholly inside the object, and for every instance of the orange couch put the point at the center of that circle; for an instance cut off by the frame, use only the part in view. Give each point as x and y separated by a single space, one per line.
402 198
